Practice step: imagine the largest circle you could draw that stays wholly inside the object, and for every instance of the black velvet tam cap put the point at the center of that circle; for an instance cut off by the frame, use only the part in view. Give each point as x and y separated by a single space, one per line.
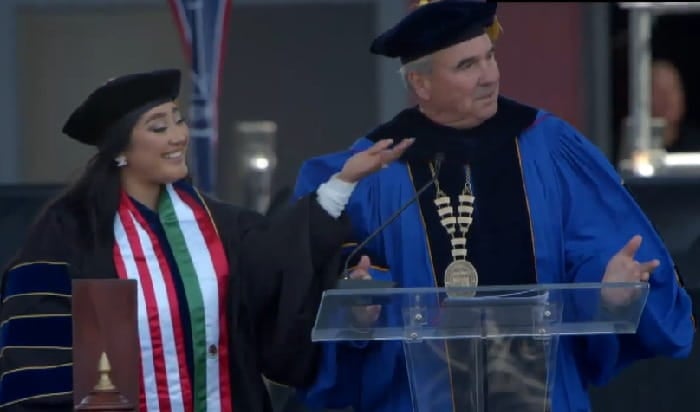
435 26
117 97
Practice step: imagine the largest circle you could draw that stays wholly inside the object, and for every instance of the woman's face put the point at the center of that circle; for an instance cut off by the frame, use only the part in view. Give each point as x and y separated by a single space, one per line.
158 147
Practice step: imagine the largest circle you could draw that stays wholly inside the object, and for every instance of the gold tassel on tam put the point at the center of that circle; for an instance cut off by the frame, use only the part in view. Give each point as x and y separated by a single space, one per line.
494 30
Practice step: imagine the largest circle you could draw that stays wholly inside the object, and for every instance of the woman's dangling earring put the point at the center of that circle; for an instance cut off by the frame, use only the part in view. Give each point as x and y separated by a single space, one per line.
121 161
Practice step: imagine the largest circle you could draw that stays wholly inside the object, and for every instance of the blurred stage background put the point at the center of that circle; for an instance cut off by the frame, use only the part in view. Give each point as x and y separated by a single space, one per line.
296 80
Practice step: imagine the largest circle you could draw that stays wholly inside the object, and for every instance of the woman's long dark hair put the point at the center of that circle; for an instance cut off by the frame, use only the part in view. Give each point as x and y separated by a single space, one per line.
93 198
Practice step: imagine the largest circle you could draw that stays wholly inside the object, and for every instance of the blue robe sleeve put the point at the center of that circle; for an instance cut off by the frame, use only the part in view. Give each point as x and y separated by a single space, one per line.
342 365
317 171
600 217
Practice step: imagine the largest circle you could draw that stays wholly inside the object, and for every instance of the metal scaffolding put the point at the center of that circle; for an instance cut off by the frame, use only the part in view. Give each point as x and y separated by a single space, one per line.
645 158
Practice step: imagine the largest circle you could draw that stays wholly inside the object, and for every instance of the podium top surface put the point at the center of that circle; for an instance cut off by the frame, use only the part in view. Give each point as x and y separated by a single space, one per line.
485 312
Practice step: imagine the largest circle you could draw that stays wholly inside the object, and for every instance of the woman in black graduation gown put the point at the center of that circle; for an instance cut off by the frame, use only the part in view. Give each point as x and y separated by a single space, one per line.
224 295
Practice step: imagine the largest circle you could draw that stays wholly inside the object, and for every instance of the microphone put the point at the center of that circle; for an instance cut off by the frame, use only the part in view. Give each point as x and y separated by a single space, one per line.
346 282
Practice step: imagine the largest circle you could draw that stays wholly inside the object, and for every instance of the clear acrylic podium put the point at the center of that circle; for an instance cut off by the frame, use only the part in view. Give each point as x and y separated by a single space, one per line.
486 349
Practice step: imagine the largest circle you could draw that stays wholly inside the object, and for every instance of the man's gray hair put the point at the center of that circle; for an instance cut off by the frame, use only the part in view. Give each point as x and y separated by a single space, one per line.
423 65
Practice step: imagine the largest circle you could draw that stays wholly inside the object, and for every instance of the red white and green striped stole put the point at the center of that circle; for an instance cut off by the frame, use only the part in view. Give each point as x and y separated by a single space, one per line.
200 269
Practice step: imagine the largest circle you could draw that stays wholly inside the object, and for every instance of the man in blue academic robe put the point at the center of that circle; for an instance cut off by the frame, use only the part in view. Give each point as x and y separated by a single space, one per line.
542 205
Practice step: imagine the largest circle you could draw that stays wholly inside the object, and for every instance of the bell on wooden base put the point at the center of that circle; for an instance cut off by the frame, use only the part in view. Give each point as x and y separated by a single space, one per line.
105 397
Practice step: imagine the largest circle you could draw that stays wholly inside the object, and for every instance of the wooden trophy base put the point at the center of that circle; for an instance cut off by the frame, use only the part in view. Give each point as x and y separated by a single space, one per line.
105 397
105 401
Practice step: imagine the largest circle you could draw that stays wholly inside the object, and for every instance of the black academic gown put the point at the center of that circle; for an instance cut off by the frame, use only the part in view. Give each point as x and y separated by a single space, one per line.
279 267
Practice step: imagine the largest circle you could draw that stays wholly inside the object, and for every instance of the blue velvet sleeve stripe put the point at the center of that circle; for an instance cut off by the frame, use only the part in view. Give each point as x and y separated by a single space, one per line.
25 384
37 330
37 278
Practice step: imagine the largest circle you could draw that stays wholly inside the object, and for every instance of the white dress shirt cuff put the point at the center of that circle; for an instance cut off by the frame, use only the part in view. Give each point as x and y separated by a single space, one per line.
334 195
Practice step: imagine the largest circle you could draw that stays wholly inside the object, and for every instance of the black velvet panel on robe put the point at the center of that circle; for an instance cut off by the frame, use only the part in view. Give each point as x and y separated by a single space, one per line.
499 241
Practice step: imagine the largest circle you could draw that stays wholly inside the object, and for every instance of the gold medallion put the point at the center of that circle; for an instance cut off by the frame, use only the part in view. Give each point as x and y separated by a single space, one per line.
461 274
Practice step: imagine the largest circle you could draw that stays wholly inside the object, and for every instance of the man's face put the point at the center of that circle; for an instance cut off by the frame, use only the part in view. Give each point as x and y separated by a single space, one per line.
668 99
463 83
